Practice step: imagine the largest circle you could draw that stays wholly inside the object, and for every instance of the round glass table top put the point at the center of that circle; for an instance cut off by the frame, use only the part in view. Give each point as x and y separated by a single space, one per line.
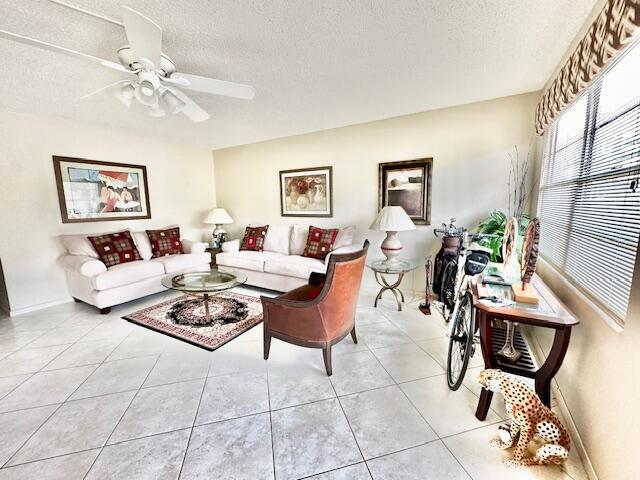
204 282
398 266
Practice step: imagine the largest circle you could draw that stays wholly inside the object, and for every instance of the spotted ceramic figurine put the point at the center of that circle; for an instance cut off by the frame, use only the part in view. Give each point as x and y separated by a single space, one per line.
529 416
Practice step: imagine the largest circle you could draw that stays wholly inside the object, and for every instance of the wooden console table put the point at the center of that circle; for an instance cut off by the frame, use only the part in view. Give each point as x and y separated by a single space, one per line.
548 313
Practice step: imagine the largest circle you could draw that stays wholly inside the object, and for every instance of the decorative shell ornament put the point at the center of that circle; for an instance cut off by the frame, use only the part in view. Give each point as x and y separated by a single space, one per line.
530 251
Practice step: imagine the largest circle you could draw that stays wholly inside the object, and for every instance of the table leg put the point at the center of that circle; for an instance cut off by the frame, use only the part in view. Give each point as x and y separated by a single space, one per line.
489 362
397 293
207 315
552 364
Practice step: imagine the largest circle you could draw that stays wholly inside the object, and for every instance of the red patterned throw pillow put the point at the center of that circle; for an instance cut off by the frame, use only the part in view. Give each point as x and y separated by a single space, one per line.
320 242
115 248
165 242
254 238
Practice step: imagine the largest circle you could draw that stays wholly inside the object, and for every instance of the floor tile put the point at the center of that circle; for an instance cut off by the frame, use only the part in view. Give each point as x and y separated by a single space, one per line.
83 353
116 376
46 388
235 395
474 452
447 412
237 357
7 384
438 349
293 385
311 439
115 329
139 344
384 421
17 427
381 334
357 372
407 362
152 458
346 346
158 410
29 360
61 336
75 426
67 467
359 471
13 340
238 449
417 325
432 461
368 315
177 367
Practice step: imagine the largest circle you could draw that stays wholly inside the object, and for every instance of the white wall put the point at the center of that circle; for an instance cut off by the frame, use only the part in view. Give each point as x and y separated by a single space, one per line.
181 190
469 145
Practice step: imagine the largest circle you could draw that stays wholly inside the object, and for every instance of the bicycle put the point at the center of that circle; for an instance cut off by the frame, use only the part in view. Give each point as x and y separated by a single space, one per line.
456 288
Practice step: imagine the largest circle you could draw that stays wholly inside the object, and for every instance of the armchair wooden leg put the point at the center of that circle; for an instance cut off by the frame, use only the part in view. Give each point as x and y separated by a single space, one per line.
105 311
326 353
267 345
353 335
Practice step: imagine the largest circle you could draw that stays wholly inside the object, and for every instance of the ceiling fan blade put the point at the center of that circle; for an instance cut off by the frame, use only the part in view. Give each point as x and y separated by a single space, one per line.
144 35
119 83
210 85
191 109
66 51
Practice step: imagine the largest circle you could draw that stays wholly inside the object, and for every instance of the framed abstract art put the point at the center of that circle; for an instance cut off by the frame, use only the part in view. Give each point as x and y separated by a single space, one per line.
408 185
94 191
306 192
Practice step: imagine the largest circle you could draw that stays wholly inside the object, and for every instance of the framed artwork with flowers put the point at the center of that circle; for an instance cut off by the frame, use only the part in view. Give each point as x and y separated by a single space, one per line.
306 192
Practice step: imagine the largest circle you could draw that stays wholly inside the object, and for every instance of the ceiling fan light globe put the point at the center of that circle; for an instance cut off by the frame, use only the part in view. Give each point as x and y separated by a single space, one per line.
147 100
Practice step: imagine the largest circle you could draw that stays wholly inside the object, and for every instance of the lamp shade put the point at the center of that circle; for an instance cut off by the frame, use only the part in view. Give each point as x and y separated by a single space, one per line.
392 219
218 216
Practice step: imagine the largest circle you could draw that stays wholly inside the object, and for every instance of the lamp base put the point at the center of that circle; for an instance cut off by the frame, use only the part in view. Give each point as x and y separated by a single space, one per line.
391 248
219 236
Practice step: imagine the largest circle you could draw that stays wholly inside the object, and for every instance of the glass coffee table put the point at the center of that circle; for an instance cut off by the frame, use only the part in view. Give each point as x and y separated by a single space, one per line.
204 284
381 268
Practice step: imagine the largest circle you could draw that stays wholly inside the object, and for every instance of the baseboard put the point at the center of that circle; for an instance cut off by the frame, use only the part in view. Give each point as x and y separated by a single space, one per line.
564 409
40 306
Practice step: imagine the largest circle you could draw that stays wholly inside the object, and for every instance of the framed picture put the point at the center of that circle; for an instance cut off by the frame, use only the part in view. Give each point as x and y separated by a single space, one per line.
93 191
306 192
408 185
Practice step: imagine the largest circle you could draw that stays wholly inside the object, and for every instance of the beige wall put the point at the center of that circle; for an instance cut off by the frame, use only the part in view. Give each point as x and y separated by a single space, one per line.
181 190
469 145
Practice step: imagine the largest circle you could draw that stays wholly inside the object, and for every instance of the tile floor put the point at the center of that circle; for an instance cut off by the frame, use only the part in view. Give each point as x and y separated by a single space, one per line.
87 396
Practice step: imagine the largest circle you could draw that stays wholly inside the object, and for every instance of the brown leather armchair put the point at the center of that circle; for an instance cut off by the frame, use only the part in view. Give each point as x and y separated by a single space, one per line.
321 313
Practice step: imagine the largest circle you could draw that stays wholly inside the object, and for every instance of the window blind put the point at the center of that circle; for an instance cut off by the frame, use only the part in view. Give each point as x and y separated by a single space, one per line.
589 202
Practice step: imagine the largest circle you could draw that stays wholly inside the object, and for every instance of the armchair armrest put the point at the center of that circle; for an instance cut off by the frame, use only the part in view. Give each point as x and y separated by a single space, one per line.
189 246
83 265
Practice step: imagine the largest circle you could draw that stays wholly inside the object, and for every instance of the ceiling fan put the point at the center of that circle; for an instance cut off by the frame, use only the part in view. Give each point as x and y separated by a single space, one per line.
156 81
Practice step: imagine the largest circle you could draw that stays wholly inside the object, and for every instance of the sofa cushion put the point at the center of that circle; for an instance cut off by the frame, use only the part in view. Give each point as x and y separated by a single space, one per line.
126 274
295 266
345 237
299 234
277 239
253 239
247 259
78 245
175 263
320 242
165 242
143 244
115 248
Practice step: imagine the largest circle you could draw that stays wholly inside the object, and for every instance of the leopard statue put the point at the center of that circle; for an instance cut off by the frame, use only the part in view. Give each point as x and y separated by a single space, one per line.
529 416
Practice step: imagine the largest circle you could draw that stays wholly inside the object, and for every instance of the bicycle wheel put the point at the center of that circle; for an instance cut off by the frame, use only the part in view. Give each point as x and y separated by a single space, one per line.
461 346
447 289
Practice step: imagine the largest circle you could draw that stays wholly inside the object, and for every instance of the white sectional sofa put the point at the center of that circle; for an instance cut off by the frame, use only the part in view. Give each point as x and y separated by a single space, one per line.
90 281
281 266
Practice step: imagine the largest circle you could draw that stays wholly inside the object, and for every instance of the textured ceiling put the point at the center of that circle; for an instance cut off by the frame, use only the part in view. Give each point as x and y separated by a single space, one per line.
315 64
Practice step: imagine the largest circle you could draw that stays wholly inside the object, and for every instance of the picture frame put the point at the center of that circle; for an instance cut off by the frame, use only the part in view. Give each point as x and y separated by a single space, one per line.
306 192
97 191
407 184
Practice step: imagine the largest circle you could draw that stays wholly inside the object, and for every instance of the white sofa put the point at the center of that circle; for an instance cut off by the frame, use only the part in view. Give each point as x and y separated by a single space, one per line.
90 281
281 266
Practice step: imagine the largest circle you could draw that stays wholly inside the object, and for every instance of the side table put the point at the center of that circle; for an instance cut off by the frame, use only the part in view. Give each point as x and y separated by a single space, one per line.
213 251
381 268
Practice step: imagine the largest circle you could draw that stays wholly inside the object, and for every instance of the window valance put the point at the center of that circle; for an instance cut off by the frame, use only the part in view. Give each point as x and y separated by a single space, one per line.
610 33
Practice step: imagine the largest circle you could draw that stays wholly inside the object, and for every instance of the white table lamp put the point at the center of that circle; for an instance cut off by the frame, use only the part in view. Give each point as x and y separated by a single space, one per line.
392 220
218 217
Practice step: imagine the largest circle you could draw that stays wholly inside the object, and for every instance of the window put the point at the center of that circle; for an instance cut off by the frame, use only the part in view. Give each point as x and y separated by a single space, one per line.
589 203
